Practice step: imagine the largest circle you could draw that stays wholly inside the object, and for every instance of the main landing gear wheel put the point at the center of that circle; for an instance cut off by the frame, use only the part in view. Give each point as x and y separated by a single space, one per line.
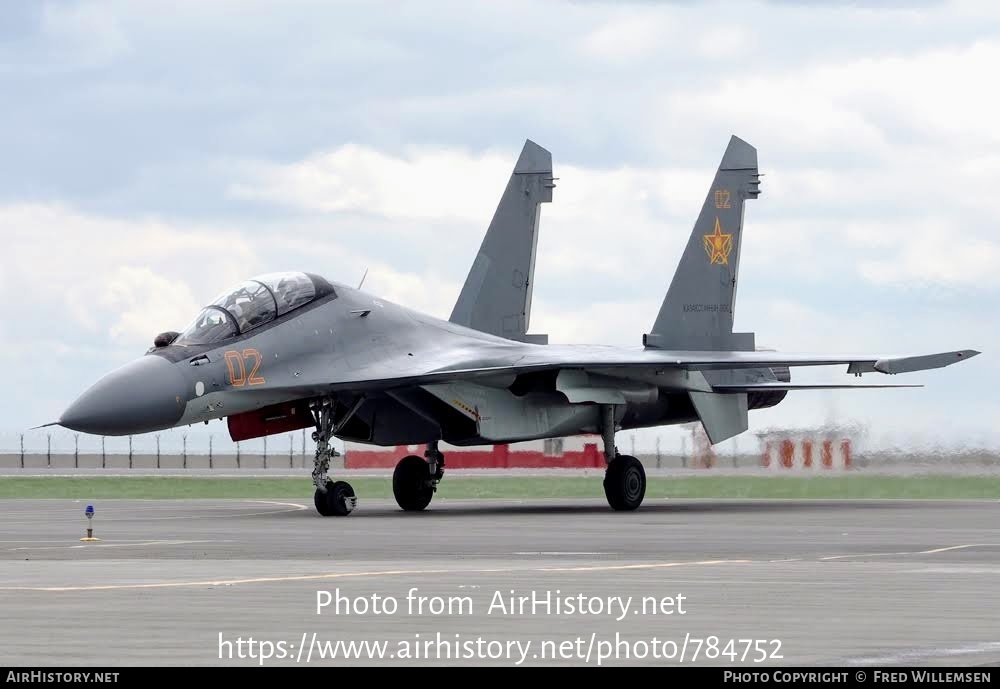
337 501
411 484
625 483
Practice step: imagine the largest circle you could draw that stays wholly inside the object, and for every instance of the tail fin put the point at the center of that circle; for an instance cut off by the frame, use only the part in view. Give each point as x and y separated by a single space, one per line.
496 297
697 313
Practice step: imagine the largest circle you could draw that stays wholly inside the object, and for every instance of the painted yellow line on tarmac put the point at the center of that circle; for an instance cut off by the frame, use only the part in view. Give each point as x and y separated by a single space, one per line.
933 551
348 575
959 547
421 572
108 545
650 565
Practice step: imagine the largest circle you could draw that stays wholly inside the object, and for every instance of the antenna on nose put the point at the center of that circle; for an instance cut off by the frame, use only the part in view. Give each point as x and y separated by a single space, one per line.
363 278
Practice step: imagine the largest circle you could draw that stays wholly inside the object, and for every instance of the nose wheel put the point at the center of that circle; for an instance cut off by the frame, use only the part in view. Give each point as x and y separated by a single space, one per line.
338 500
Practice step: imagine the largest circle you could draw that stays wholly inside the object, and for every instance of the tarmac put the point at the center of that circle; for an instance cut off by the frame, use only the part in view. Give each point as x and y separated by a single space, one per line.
727 583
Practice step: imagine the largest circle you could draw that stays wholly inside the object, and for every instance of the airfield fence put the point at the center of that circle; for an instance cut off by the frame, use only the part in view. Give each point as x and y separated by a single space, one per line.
201 448
187 448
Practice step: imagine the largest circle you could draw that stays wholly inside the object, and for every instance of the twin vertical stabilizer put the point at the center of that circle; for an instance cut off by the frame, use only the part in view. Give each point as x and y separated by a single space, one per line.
697 313
496 297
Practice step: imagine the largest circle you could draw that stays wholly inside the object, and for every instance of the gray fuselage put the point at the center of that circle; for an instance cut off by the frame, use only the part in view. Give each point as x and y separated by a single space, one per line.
346 345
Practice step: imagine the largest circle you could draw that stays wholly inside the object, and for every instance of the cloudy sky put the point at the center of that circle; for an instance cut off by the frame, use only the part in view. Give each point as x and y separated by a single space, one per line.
154 153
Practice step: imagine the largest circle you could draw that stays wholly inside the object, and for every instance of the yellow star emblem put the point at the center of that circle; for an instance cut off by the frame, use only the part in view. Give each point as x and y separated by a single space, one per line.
718 246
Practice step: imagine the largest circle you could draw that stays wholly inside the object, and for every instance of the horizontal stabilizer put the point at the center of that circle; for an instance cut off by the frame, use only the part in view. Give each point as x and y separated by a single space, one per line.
779 387
723 415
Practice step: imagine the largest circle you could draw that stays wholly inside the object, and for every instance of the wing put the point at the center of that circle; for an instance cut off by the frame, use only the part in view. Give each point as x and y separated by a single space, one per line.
665 368
653 361
856 364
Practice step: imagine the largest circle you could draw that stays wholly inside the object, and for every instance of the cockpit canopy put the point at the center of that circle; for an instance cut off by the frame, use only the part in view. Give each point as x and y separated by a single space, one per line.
252 304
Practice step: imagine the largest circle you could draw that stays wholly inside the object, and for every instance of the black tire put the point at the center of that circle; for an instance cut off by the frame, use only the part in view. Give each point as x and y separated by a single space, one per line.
411 484
625 483
334 502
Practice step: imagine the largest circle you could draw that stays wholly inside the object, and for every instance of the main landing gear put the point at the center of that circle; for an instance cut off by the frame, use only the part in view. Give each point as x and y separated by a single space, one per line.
625 478
415 479
332 498
413 482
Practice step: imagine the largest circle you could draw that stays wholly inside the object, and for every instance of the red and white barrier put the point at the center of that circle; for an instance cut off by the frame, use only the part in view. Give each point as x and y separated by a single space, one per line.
488 457
807 453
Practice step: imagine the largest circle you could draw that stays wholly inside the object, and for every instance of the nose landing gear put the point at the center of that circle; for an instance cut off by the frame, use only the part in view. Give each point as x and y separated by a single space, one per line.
332 499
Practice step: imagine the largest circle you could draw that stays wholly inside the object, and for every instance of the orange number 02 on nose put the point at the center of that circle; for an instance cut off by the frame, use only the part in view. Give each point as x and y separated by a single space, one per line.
239 363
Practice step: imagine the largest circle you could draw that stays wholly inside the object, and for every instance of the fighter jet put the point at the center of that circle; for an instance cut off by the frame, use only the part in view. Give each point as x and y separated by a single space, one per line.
287 351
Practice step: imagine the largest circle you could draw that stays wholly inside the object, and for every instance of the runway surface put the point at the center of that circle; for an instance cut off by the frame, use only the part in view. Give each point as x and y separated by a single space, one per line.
181 582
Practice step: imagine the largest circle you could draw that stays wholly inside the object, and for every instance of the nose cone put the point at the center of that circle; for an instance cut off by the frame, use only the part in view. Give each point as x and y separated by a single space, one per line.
145 395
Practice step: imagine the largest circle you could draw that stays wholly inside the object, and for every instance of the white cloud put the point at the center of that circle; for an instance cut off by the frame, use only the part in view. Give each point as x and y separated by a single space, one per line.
611 322
725 43
628 39
422 183
937 96
936 253
425 292
121 280
143 301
